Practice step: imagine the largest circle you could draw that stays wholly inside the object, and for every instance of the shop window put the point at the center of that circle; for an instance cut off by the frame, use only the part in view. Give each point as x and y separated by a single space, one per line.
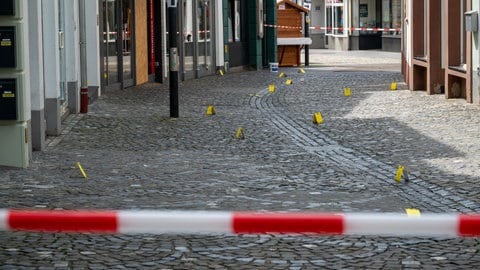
127 26
392 16
109 31
234 21
335 17
369 15
187 21
203 21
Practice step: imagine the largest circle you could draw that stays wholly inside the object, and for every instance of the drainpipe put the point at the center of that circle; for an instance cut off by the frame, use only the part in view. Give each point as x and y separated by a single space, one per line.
83 59
307 35
151 21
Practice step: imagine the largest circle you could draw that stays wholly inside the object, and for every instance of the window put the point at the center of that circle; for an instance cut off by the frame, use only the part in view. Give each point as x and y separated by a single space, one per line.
109 31
392 16
335 17
370 15
234 21
187 21
203 20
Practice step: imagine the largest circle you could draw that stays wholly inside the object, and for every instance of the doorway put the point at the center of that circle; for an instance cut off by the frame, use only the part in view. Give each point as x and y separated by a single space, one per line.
196 43
117 48
236 33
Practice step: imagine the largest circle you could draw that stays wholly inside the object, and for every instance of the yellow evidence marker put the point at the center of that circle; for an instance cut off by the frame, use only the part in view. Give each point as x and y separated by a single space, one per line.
398 176
271 88
82 170
240 134
211 110
393 86
412 212
317 118
347 91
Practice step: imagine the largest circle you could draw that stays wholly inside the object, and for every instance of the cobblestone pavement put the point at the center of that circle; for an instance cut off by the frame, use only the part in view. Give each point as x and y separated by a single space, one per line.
136 157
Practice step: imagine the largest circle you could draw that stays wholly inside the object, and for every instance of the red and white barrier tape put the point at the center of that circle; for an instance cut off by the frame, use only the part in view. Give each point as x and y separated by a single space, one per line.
203 222
365 29
282 26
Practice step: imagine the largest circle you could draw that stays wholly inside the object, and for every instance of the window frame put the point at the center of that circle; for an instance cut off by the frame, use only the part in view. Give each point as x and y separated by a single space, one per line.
235 17
331 18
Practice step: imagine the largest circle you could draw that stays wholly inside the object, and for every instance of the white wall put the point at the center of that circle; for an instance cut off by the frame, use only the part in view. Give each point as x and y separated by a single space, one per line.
51 59
476 61
37 95
93 43
71 41
220 61
408 32
15 145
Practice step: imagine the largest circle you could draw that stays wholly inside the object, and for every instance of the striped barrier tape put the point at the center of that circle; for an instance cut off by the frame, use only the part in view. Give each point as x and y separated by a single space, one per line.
364 29
205 222
282 26
374 29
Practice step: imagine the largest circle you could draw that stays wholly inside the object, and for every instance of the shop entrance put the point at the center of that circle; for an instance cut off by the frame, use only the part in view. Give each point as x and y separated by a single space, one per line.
237 40
117 48
196 38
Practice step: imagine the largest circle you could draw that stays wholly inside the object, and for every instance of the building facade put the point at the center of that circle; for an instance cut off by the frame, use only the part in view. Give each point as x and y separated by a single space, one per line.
440 45
249 33
46 74
125 44
355 24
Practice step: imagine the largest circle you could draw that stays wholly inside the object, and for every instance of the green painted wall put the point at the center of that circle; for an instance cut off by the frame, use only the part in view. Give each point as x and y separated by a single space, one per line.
259 49
254 42
271 32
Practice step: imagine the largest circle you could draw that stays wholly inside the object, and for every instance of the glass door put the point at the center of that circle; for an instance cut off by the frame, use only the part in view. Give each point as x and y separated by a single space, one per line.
110 42
189 39
204 36
117 47
196 38
127 42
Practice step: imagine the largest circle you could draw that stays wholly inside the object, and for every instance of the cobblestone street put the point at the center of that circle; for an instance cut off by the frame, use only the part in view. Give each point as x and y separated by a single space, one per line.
136 157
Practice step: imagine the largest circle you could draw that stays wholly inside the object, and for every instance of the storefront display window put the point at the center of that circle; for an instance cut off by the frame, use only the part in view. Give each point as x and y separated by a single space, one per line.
384 15
392 16
234 21
335 16
117 45
196 57
109 33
